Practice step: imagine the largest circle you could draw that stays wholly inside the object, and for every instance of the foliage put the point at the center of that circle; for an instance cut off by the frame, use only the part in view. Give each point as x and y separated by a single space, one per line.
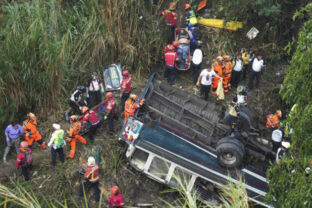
288 188
48 47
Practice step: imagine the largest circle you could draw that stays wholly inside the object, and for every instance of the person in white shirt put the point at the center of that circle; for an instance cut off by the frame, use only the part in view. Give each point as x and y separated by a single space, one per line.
94 89
205 79
257 65
197 61
237 66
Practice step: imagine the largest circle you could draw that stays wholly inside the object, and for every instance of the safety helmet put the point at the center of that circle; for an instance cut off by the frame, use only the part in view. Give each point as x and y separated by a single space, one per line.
187 6
133 97
171 48
73 118
115 190
226 57
23 145
279 113
31 116
81 89
56 126
84 109
199 43
125 73
219 58
285 144
175 43
109 95
172 6
240 89
91 161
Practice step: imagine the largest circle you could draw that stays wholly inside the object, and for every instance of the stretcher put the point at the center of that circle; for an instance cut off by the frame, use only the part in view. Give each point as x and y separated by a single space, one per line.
222 24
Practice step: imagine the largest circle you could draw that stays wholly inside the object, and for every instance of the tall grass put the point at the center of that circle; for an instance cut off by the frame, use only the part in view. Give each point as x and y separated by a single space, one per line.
48 47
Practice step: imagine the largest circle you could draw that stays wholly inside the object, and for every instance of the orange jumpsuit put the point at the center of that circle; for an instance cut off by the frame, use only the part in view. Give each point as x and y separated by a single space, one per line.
272 121
130 107
32 134
226 75
218 69
73 136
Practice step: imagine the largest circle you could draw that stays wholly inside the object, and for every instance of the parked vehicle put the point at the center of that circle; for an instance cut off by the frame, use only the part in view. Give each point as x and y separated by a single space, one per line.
177 133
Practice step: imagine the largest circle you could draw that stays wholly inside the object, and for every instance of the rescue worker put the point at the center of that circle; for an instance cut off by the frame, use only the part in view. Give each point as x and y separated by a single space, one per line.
74 135
255 73
91 179
91 117
24 159
131 105
226 73
31 132
13 133
277 136
237 67
175 44
197 60
116 199
110 111
190 15
241 95
75 98
195 36
171 57
57 143
94 89
171 16
125 87
234 115
246 60
218 67
272 120
282 151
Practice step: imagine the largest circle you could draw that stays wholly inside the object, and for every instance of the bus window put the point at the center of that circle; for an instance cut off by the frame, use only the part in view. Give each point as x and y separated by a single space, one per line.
139 158
179 177
159 168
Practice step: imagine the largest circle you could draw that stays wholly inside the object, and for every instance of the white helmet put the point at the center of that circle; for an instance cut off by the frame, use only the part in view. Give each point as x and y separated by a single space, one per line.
56 126
91 161
286 145
277 135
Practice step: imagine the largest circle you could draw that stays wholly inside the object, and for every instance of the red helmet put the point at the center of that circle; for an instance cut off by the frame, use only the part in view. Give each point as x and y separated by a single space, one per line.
115 190
187 6
23 145
84 109
109 95
175 43
172 6
171 48
125 73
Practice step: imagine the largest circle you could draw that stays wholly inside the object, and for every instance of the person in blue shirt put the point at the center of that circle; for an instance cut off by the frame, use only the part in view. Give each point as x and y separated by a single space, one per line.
13 132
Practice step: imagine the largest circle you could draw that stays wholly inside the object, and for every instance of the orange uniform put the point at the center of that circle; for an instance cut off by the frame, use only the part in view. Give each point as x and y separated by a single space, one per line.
131 106
272 121
226 75
218 68
73 136
32 134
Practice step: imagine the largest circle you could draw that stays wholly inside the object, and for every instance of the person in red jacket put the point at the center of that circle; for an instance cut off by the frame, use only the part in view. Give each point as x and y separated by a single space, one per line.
171 20
91 117
125 87
116 199
110 111
171 57
24 159
92 179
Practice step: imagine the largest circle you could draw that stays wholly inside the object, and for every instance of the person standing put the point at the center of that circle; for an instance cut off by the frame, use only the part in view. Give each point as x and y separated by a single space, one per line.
190 15
92 118
75 98
197 61
131 105
171 15
57 143
237 65
116 199
31 132
91 177
218 67
74 135
13 133
226 73
110 111
125 87
257 66
24 159
205 79
277 136
171 57
246 60
94 89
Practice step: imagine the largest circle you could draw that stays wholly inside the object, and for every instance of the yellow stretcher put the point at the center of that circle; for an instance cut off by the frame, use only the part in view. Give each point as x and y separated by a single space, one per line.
219 23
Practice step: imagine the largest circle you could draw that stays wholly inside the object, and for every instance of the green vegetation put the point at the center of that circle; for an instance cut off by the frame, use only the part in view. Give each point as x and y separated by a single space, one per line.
289 188
48 47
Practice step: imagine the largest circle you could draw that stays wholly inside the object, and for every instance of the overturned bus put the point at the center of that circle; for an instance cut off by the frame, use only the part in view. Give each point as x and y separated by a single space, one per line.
179 134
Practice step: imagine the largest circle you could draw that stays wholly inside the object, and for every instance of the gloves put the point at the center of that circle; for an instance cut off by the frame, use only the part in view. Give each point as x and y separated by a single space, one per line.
105 117
7 140
102 90
87 95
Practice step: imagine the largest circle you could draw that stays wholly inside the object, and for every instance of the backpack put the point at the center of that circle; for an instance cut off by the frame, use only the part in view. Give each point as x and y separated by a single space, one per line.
28 158
196 33
59 141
